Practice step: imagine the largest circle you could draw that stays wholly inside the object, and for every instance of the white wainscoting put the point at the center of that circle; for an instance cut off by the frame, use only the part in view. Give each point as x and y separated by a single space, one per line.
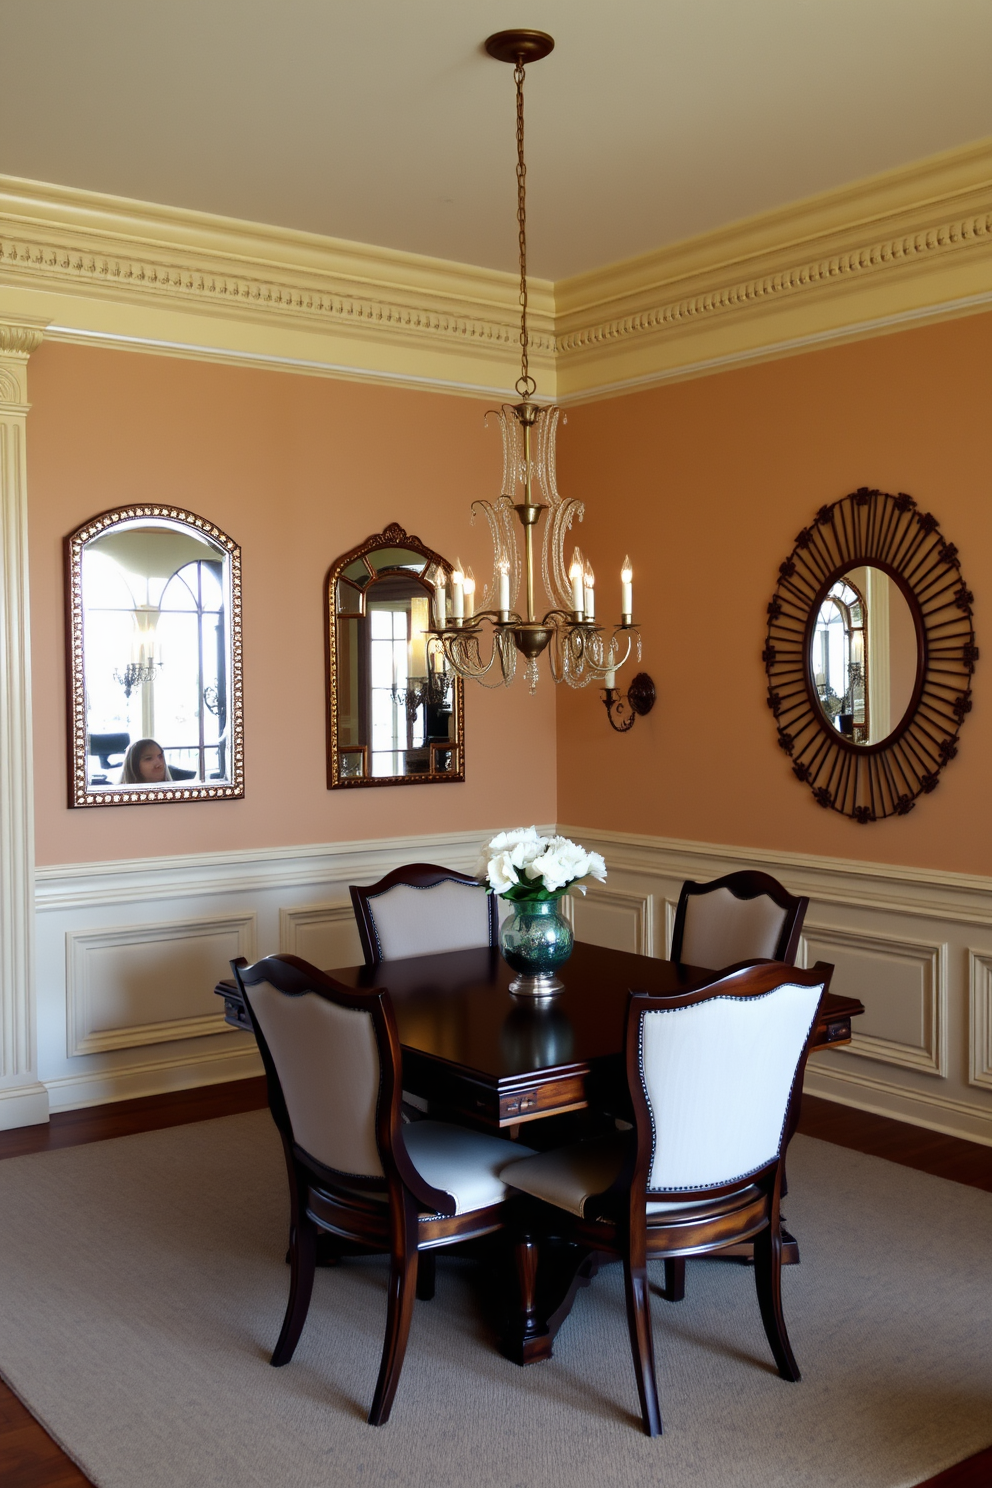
129 952
610 917
914 945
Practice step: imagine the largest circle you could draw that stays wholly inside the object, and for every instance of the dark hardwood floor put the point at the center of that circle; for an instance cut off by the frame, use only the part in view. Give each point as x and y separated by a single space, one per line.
30 1459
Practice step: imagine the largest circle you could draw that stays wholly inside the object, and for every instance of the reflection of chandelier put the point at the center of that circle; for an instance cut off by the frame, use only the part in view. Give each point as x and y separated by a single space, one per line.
434 689
578 649
135 675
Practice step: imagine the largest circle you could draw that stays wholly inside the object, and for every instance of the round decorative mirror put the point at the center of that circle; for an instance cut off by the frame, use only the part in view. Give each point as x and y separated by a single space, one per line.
869 655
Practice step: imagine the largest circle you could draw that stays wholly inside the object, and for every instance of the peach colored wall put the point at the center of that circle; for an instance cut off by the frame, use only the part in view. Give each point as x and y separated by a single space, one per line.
297 470
707 484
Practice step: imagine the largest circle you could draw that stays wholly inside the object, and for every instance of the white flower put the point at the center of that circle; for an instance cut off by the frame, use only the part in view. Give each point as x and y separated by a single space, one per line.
523 856
505 853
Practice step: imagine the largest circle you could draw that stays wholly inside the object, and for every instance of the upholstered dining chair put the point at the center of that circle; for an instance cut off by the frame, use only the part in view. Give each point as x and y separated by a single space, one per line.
421 909
746 916
332 1062
715 1078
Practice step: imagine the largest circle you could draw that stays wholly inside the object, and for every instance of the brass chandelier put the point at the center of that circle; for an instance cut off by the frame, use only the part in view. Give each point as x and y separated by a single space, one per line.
482 645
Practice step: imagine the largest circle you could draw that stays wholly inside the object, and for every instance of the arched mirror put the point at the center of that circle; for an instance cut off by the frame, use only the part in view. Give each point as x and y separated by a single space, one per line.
394 712
154 659
869 655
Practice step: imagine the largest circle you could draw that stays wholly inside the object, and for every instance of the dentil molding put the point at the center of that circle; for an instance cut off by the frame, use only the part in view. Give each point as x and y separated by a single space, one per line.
908 245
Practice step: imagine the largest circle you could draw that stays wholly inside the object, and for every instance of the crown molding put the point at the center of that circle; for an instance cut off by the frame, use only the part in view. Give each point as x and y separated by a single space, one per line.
190 283
910 245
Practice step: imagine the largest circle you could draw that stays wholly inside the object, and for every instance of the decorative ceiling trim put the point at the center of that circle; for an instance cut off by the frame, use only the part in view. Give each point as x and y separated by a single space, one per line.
910 245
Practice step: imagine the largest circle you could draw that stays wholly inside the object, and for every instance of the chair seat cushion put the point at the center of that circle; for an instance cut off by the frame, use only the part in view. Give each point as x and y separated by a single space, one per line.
569 1176
465 1164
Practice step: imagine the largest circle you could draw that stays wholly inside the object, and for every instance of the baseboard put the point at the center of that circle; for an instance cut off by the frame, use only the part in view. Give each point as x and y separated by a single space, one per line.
934 1112
152 1077
23 1105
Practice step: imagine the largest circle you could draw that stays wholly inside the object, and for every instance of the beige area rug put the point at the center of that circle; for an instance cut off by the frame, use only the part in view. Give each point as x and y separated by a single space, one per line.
142 1284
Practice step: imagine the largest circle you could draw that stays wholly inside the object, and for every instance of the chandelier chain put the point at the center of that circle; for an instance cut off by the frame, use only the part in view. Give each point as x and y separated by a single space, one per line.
525 384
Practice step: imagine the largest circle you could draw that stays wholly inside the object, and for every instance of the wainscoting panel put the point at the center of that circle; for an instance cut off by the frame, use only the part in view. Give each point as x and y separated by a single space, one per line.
913 944
130 1010
980 1018
150 984
609 917
903 985
323 934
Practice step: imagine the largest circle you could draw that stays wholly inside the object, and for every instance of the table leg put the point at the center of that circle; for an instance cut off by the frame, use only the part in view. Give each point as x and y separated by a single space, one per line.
549 1286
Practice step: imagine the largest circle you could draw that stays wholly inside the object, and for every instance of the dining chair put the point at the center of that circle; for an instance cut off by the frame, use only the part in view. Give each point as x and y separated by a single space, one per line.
421 909
715 1079
743 916
333 1066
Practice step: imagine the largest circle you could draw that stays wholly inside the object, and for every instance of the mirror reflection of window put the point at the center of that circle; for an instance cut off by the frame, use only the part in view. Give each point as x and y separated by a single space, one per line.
395 709
155 642
840 661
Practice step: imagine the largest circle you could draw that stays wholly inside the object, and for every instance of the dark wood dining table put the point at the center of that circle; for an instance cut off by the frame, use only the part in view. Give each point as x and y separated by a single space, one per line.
479 1053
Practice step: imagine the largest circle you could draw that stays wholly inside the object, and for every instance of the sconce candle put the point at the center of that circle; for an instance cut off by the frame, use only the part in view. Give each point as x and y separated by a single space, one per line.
627 590
610 680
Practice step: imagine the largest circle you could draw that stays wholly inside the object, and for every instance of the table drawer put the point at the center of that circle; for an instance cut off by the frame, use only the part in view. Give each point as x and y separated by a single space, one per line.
568 1094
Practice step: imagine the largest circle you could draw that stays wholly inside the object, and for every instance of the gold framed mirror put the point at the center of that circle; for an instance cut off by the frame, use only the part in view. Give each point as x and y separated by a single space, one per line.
154 659
395 713
869 654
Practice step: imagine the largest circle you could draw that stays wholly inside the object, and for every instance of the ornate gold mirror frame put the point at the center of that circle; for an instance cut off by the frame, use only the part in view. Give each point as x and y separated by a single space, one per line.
870 781
395 712
124 661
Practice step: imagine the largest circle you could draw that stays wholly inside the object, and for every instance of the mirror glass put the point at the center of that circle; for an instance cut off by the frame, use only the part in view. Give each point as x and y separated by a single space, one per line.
395 712
156 681
864 655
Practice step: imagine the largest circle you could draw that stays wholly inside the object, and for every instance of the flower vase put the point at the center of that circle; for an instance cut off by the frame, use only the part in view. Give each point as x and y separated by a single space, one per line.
535 941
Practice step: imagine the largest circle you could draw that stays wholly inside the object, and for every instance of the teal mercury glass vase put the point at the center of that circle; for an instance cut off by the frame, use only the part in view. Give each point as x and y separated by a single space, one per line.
535 941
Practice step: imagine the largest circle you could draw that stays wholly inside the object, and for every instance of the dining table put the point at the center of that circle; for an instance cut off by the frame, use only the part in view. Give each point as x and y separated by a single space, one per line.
477 1053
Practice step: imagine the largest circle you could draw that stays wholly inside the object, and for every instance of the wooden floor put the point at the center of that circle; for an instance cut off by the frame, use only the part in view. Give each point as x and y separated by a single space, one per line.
30 1459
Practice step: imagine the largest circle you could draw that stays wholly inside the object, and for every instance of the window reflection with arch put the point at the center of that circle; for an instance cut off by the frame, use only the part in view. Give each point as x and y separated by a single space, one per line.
839 660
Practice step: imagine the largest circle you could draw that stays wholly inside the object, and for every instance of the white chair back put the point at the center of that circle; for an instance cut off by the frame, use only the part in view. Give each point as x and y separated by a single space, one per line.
718 1075
448 916
327 1061
721 929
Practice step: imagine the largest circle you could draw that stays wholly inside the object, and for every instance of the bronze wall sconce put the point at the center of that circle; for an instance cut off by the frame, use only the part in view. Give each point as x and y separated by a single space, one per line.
640 699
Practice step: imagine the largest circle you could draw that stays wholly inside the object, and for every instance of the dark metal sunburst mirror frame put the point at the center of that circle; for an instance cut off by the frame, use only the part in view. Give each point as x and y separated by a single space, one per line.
870 782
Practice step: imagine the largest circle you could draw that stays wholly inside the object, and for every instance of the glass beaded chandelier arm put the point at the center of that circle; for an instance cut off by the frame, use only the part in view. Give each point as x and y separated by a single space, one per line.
579 650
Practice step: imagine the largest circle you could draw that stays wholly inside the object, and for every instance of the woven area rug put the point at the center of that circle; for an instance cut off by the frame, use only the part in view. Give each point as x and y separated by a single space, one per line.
142 1285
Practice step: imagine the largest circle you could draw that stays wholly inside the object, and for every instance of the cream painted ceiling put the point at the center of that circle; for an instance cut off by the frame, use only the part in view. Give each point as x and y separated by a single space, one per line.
383 121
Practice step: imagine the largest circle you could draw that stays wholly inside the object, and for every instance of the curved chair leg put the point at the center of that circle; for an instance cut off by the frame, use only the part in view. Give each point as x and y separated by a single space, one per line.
635 1277
402 1286
768 1281
674 1288
426 1273
302 1258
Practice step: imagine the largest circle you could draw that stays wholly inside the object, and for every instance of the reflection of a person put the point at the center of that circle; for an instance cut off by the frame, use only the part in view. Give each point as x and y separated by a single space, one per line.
144 764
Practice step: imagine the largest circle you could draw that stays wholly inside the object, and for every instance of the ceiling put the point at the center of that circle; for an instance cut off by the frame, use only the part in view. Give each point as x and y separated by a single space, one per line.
383 121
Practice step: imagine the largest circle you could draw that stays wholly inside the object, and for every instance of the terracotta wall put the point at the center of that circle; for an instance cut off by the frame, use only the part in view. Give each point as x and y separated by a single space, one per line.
707 484
297 470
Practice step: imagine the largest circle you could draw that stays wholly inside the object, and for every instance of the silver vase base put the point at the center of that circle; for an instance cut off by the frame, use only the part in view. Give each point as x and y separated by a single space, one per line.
536 986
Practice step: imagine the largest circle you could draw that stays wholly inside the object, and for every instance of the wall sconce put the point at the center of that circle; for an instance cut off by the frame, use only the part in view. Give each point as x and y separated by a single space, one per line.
641 698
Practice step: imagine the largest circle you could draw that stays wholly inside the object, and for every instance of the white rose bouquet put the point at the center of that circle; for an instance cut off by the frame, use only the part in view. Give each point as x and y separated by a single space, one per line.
523 865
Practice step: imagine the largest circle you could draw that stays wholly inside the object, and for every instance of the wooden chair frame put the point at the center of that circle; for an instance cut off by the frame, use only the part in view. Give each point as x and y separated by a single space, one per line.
417 876
616 1222
748 883
388 1214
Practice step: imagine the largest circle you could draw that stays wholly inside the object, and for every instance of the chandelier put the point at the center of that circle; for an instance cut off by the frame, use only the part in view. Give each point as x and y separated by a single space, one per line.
483 644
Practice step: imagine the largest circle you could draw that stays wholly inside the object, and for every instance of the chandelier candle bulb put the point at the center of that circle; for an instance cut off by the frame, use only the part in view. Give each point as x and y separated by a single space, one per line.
575 578
440 608
469 588
504 591
458 591
626 591
589 590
